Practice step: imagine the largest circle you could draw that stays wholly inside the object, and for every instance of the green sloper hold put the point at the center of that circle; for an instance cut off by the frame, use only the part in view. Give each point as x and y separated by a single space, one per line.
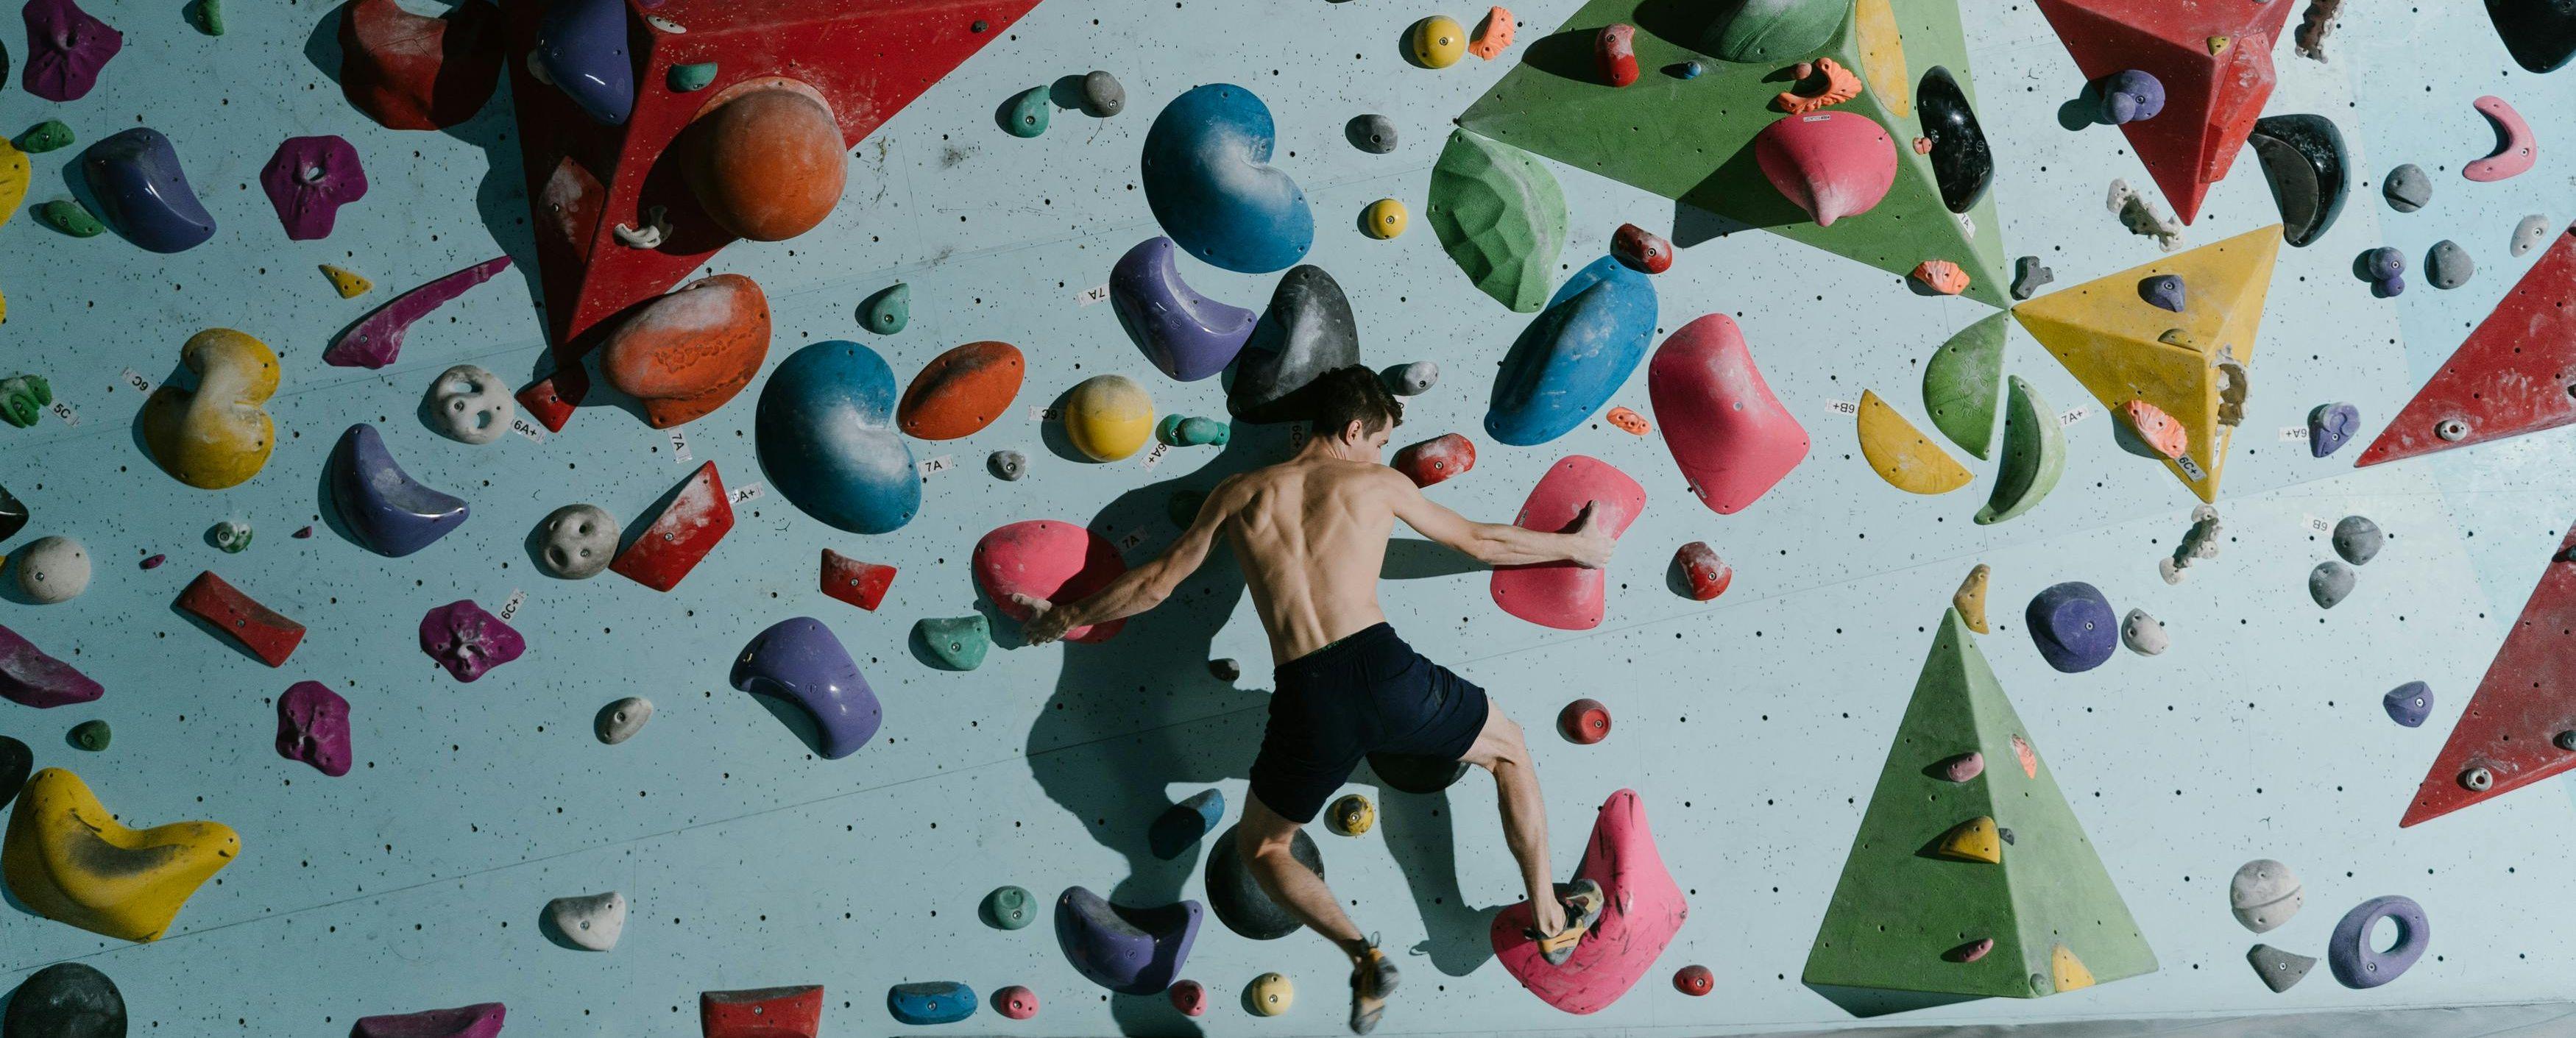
44 137
70 217
23 399
692 77
2034 455
958 642
1028 113
888 311
207 16
1692 138
1900 917
1500 215
1775 32
1964 381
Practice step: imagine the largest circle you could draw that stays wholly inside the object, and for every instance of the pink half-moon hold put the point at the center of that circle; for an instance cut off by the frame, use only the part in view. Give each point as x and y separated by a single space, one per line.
1045 558
1730 436
1832 164
1561 594
2516 148
1645 908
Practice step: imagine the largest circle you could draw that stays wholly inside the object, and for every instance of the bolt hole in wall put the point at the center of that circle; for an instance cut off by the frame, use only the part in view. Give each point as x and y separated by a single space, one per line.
661 375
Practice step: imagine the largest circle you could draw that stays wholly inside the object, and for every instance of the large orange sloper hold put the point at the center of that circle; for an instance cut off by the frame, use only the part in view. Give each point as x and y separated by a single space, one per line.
961 391
687 353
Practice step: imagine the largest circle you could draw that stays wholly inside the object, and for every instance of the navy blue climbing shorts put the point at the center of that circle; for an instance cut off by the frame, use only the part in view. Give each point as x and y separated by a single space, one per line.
1366 693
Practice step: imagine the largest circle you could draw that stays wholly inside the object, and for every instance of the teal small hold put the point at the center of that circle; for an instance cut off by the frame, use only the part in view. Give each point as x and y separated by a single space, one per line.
23 399
70 217
888 311
44 137
90 735
1010 908
958 642
691 78
208 16
1028 113
1184 431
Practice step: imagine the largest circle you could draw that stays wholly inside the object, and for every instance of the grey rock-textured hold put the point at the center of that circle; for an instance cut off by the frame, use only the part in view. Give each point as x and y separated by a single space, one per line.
2530 233
1102 97
66 1000
470 405
577 541
1008 464
53 569
1412 379
591 921
2357 539
2329 583
2143 634
2028 275
1371 133
619 721
2280 970
2199 542
2448 266
2265 894
2407 188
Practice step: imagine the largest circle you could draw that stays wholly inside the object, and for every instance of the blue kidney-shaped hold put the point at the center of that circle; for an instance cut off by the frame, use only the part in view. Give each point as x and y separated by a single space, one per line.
827 439
1209 180
1576 353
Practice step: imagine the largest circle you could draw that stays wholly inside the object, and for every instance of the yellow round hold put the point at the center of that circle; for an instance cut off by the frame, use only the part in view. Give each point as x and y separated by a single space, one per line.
1351 815
1384 218
219 434
67 859
1437 41
1272 994
1108 417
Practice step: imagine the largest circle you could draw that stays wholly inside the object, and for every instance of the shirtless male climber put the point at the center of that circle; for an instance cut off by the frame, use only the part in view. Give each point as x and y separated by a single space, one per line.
1311 533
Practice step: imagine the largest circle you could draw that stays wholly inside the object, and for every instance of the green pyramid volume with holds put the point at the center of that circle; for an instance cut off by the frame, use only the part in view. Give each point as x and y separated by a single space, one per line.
1904 916
1691 140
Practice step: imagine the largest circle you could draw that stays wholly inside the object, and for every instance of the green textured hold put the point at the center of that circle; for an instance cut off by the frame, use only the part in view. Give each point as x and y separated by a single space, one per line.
2034 455
23 399
70 217
90 735
888 311
233 536
690 78
1964 381
1183 431
208 16
1009 908
1776 32
958 642
44 137
1691 140
1027 114
1183 507
1500 215
1903 920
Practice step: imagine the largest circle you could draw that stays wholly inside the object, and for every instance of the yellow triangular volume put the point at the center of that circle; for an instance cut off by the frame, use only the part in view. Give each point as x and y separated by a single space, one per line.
2124 348
1902 455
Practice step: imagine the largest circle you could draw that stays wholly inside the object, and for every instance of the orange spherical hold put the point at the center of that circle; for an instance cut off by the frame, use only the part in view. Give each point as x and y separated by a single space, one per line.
765 159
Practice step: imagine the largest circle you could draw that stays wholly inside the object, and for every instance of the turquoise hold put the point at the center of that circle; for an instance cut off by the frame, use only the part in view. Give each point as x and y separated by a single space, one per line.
692 78
1027 114
958 642
888 311
827 439
931 1002
1009 908
1576 353
1185 431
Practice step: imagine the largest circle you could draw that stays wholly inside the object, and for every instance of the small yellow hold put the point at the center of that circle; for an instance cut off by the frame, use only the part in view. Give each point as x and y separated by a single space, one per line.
1108 417
2217 44
1351 815
68 860
1272 994
217 435
349 283
1900 453
1384 218
1976 839
14 177
1970 599
1437 41
1882 56
2068 971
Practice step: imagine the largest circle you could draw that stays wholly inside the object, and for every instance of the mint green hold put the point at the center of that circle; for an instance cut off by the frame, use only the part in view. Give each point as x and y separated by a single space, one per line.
1028 113
208 16
1010 908
70 217
888 311
959 642
90 735
692 78
23 399
44 137
1181 431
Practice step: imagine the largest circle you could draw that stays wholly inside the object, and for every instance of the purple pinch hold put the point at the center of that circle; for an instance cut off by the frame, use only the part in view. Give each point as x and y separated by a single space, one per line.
66 47
308 180
30 678
313 727
468 641
377 338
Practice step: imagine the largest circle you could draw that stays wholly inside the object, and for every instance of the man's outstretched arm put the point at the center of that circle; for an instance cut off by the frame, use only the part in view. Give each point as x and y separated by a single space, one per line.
1138 589
1585 543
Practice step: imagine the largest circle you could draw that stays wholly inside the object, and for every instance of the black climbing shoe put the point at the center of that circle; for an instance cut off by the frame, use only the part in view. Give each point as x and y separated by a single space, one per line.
1372 981
1583 901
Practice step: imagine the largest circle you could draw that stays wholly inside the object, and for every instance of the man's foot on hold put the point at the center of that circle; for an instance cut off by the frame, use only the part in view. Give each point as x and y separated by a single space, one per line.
1583 900
1373 978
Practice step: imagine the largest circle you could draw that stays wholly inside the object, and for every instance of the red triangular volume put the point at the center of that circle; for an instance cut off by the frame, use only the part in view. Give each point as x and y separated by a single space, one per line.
2211 99
2523 710
2515 374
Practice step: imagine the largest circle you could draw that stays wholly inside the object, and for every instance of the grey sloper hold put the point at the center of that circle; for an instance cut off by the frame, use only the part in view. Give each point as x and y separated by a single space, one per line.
53 569
1102 97
1307 331
2357 539
2280 970
2448 266
2530 234
2264 894
577 541
2329 583
592 921
470 405
619 721
1412 379
1009 465
1374 134
2407 188
2143 634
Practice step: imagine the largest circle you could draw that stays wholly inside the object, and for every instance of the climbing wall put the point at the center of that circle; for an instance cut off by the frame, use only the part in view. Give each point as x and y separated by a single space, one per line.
756 849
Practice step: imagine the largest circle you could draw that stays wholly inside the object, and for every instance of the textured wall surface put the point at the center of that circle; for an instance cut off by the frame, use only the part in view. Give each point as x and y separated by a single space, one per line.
1753 726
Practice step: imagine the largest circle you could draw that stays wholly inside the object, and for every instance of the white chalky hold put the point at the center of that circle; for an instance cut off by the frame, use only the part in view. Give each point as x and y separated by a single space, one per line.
2265 894
593 921
2143 634
619 721
470 405
579 541
53 569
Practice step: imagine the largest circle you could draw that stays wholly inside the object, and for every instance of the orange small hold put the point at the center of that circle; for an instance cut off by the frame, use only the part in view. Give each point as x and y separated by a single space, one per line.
1942 276
2029 760
2156 427
688 352
764 158
961 391
1493 35
1840 85
1615 52
862 584
1923 145
1628 421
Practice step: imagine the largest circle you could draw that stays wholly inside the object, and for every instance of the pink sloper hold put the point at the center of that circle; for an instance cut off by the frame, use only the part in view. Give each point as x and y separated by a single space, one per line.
377 338
308 180
1561 594
1645 909
66 47
313 727
1050 559
475 1021
2516 149
28 677
1730 436
468 641
1832 164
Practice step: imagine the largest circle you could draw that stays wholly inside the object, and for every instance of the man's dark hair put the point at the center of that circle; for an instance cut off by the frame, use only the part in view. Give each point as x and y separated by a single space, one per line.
1338 397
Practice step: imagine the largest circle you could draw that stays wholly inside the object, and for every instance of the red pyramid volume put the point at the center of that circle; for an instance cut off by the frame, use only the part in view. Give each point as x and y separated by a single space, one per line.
2520 723
2215 61
2515 374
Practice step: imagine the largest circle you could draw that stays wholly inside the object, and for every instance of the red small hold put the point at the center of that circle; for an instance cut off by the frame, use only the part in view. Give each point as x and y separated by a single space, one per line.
255 627
1708 575
1436 459
1971 951
788 1012
303 534
1694 980
1190 997
1615 51
1584 722
552 399
862 584
155 561
1642 249
683 534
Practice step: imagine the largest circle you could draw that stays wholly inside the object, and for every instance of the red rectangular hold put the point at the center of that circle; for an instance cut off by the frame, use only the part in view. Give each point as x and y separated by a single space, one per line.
862 584
268 635
683 534
789 1012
